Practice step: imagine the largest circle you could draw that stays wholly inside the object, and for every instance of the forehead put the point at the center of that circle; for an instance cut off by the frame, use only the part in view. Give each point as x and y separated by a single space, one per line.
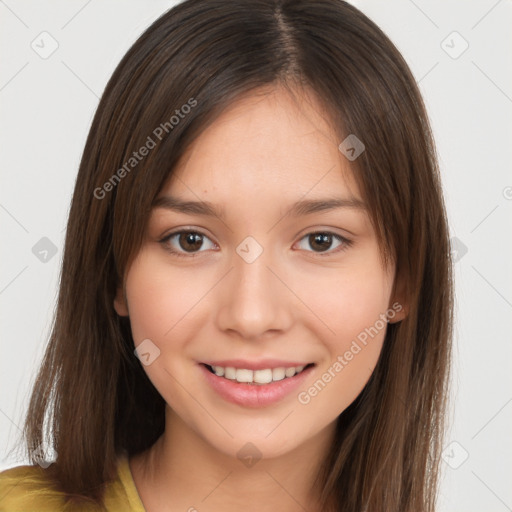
266 147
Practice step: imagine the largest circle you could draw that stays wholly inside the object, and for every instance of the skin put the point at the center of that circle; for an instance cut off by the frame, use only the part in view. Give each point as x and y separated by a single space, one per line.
294 302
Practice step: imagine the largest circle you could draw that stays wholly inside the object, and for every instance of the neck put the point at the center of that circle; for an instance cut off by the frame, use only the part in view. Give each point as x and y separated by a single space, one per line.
181 471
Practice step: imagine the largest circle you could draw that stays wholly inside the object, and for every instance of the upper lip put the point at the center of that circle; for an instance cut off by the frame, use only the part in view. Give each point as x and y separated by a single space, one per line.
262 364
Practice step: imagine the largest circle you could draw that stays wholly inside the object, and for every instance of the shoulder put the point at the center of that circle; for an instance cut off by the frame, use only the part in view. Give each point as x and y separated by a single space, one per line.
28 488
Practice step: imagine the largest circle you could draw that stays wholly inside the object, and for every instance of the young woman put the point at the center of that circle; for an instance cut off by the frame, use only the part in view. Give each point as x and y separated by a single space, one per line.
255 304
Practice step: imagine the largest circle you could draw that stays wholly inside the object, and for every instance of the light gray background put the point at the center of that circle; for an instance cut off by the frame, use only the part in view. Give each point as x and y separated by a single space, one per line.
46 110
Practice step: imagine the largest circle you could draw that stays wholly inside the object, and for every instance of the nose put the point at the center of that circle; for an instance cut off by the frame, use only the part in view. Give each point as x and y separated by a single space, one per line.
254 298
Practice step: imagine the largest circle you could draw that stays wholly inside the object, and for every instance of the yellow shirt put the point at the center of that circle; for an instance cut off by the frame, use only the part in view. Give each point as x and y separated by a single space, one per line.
25 489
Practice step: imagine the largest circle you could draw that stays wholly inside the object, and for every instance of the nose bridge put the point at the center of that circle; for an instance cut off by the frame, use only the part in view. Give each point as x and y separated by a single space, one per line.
254 299
252 275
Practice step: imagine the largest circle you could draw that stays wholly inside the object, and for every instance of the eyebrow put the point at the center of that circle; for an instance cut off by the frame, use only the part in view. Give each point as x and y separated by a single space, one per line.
300 208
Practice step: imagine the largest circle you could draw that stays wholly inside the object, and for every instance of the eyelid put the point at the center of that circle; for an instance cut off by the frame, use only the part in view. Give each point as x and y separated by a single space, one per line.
184 229
345 242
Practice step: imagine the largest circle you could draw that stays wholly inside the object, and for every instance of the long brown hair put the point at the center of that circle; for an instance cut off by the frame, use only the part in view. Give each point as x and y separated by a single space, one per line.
92 398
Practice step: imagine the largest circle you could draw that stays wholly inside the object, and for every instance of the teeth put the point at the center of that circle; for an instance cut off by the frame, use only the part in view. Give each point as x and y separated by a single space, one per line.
229 373
244 375
290 372
257 376
262 376
278 373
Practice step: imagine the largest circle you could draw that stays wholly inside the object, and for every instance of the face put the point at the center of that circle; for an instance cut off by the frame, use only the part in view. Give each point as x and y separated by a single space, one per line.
260 290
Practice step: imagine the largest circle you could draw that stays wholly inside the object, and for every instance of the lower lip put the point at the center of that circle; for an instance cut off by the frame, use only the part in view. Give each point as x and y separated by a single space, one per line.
254 395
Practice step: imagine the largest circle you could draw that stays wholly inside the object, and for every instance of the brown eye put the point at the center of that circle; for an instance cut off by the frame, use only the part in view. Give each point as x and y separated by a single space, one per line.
182 242
190 241
322 242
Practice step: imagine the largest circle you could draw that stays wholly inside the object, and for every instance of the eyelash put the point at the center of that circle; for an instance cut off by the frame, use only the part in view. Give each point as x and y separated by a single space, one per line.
346 243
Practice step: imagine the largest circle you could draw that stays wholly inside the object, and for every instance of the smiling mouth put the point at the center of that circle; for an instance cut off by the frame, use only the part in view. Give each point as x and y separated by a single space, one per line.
256 377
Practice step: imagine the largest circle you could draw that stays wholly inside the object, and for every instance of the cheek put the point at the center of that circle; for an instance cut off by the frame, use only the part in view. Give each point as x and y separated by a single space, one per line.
159 299
161 308
350 309
352 354
167 306
348 302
